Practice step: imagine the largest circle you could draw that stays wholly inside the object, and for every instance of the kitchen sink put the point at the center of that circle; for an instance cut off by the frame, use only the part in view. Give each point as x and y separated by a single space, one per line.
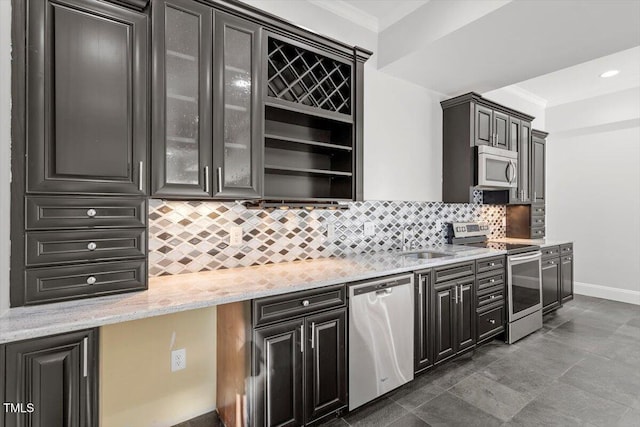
426 254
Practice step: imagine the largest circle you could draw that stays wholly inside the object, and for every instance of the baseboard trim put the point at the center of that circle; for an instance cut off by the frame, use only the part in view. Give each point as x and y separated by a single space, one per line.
606 292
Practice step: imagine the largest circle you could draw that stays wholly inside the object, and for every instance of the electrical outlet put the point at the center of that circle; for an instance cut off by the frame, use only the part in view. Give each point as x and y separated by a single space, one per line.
178 359
235 236
369 229
330 232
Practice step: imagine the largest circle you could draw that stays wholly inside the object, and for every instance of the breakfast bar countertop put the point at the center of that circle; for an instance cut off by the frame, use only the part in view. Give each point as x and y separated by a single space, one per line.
175 293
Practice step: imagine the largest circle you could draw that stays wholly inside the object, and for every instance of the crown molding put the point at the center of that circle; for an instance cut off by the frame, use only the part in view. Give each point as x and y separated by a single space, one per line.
525 94
349 12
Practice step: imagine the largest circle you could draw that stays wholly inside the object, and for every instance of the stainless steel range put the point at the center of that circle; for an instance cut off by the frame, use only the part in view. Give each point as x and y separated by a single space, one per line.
524 276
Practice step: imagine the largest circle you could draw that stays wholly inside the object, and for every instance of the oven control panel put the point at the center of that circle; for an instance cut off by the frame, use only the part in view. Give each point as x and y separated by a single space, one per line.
470 229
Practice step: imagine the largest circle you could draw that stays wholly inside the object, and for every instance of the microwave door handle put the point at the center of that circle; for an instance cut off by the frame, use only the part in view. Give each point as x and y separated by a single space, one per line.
513 170
508 171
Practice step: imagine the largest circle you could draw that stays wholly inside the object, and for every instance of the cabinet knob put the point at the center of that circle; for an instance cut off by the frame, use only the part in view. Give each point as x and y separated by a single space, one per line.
493 297
491 264
492 280
92 246
492 321
551 262
91 213
91 280
305 302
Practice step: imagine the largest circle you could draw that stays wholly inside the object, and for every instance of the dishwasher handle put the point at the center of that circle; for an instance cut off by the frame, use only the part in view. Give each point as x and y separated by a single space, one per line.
380 287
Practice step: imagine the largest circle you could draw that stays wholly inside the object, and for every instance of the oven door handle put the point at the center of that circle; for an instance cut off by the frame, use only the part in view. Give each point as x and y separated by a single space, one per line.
528 257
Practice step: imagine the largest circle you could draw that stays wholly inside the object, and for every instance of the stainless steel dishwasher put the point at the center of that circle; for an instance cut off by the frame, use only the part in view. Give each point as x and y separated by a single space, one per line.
380 337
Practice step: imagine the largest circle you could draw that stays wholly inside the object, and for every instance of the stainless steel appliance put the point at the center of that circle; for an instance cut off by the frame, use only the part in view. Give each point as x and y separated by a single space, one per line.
380 337
497 168
524 276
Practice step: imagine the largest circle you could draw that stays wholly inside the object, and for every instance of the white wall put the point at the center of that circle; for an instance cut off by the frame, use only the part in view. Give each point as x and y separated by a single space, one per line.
402 121
5 148
593 191
522 101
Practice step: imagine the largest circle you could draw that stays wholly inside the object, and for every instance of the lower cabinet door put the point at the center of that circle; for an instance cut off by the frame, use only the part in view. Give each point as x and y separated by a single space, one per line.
550 284
466 319
325 364
51 381
277 368
423 357
566 272
444 315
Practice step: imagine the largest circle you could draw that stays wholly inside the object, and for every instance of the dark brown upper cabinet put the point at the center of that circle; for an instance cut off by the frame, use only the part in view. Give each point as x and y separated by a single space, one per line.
238 116
87 107
520 139
491 127
469 121
207 117
182 99
538 168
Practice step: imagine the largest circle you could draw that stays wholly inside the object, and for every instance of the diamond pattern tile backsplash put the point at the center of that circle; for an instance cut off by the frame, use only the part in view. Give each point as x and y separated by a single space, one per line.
186 237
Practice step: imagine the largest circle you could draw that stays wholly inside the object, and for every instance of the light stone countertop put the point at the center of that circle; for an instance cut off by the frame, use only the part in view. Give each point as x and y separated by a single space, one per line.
543 243
172 294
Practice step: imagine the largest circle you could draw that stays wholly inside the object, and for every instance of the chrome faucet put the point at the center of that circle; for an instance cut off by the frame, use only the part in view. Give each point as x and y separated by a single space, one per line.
406 243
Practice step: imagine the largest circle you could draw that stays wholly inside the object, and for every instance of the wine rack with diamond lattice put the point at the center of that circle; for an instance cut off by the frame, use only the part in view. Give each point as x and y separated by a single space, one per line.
304 77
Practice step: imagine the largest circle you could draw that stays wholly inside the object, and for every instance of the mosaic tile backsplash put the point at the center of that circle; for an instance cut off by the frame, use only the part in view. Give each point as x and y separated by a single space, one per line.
187 237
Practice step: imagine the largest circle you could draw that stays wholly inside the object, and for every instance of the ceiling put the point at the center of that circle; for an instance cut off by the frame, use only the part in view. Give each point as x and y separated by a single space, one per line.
458 46
386 12
583 81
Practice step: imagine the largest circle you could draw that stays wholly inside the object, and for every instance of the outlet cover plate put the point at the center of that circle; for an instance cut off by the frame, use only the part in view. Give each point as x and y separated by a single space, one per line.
369 229
235 236
178 359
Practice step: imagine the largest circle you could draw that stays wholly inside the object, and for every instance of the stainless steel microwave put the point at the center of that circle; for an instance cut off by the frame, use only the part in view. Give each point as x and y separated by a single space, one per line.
497 168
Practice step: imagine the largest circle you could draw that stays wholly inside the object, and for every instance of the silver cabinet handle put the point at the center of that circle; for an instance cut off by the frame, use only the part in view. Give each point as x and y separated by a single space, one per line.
551 262
302 338
92 246
313 334
535 195
492 280
219 180
85 356
91 213
456 297
492 321
305 303
420 284
140 175
491 264
91 280
493 297
206 179
497 139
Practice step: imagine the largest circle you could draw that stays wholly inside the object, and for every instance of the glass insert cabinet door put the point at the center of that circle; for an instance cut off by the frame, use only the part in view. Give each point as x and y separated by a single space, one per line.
237 114
182 129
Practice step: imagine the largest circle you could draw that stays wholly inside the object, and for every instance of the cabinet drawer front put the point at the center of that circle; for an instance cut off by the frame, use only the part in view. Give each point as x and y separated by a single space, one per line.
537 233
280 307
78 281
490 323
84 212
490 281
550 262
566 249
489 264
550 252
444 274
59 247
496 295
537 222
538 209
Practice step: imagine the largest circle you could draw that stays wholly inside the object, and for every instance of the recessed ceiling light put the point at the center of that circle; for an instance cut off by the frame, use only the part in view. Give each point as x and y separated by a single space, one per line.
609 73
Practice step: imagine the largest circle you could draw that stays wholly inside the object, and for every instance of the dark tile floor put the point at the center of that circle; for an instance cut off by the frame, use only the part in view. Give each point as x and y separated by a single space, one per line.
582 369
